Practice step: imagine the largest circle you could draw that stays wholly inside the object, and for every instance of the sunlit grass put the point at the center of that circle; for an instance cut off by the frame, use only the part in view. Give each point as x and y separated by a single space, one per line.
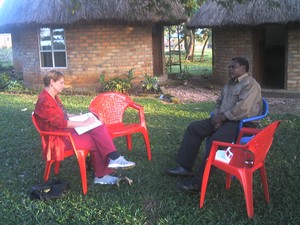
194 67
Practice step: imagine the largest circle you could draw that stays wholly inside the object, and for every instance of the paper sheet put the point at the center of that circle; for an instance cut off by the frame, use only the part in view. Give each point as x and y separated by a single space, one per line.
224 155
83 117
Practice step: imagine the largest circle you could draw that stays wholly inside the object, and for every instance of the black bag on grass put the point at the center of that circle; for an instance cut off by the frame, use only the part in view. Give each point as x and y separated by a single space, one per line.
51 190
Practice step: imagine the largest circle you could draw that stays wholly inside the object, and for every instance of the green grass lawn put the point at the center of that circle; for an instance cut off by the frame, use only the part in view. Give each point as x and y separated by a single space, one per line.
153 198
193 68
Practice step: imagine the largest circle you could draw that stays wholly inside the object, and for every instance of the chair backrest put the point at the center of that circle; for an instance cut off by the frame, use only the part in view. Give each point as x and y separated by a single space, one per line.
265 108
260 144
35 122
265 111
44 138
110 106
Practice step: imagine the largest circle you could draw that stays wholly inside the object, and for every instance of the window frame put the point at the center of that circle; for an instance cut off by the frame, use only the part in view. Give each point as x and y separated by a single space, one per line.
52 51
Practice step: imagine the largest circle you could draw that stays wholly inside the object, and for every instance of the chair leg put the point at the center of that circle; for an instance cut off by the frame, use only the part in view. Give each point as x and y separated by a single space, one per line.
88 162
147 144
228 180
204 183
56 167
81 156
47 169
246 179
129 142
263 175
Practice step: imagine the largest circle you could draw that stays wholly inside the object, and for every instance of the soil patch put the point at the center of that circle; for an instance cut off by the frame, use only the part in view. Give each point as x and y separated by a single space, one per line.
200 89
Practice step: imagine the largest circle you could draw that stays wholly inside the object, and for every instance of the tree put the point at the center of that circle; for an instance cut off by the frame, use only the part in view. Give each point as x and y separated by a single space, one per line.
205 35
189 36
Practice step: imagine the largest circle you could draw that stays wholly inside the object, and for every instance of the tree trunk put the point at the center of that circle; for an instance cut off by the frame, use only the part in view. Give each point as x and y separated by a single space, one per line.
203 49
190 45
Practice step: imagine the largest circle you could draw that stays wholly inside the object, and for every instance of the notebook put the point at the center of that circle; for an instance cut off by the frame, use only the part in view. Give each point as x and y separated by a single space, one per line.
83 117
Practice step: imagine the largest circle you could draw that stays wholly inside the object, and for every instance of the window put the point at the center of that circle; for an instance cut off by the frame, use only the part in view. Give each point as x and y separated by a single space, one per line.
53 47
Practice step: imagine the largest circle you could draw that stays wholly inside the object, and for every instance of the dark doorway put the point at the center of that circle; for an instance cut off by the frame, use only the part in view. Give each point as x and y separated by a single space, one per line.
269 56
274 57
158 50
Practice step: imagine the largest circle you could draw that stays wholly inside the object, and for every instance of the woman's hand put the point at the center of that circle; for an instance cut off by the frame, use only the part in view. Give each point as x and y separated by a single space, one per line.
89 121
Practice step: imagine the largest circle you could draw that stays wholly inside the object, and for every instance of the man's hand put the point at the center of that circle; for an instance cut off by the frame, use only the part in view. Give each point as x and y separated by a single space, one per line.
217 120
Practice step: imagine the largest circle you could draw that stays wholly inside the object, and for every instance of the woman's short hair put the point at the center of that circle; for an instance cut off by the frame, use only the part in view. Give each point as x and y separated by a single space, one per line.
242 61
52 75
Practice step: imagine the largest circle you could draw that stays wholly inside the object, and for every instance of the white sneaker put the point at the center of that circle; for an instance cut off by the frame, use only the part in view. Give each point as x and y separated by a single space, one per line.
120 163
107 179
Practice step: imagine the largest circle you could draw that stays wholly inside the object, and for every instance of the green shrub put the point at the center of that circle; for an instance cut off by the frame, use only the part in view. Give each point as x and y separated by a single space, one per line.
118 84
4 79
185 74
6 59
14 85
9 84
150 84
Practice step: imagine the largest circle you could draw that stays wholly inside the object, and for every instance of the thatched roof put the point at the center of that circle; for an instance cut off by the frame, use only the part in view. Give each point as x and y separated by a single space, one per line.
251 13
15 13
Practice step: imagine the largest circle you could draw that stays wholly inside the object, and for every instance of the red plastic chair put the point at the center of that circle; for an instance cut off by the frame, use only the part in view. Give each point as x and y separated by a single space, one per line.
110 108
245 161
81 154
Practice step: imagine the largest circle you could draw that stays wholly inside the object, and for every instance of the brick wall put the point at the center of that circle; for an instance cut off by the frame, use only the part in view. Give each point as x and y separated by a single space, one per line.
92 50
17 53
26 56
293 57
232 42
229 43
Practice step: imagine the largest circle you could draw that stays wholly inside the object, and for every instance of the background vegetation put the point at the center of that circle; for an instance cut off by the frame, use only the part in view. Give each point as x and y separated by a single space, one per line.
195 67
153 198
5 58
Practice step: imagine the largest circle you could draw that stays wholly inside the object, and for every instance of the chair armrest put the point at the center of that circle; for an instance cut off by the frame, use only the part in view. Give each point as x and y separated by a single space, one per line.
217 144
227 144
259 117
140 109
52 133
246 131
60 134
252 118
135 106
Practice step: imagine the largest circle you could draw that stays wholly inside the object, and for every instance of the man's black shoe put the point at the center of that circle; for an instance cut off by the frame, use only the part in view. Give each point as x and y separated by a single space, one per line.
189 186
179 171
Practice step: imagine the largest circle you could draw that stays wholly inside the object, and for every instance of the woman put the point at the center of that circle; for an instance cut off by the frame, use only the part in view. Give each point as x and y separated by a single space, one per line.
52 116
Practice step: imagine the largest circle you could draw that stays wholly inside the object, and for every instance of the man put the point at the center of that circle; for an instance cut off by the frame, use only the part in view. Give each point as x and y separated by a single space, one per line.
240 98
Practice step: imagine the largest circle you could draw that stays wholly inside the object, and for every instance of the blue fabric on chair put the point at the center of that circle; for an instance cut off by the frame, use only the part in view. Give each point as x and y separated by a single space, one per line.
265 112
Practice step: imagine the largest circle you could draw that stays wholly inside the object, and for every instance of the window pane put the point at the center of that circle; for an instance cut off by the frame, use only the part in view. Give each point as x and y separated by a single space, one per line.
46 59
58 39
60 59
52 47
45 39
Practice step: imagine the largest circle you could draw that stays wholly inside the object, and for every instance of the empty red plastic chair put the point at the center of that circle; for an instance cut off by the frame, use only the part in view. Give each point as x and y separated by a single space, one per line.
246 159
47 138
110 108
